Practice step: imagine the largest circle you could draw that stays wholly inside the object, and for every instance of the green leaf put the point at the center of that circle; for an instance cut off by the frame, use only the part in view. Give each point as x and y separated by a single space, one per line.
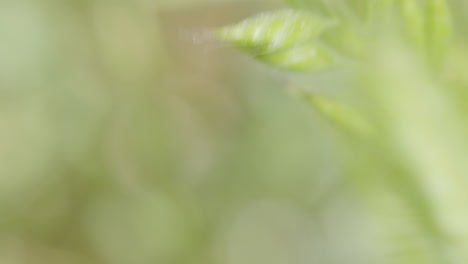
274 31
343 116
304 57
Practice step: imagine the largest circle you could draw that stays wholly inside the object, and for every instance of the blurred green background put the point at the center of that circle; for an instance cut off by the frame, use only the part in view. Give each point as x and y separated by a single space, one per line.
129 137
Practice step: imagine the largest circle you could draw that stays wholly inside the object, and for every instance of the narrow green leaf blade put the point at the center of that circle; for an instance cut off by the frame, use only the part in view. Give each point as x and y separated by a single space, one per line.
345 117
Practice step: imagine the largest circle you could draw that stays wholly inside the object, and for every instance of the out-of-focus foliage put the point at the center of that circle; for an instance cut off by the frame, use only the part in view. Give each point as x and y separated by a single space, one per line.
130 135
411 174
286 38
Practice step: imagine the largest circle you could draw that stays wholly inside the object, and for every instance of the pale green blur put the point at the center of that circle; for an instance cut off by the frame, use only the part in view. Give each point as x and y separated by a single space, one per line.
129 135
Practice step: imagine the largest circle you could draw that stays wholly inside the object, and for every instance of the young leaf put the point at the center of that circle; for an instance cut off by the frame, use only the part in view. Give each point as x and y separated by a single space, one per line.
303 57
274 31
